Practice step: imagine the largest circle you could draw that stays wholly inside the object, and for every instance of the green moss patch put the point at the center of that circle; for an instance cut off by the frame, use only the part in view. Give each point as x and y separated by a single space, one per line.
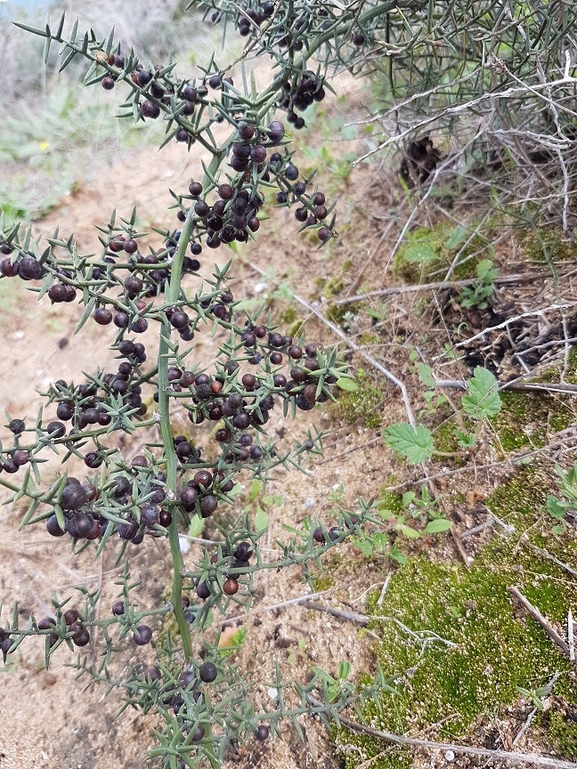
364 404
528 418
445 688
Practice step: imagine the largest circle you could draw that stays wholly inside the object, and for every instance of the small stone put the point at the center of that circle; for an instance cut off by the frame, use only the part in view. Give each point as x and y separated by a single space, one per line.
450 755
310 502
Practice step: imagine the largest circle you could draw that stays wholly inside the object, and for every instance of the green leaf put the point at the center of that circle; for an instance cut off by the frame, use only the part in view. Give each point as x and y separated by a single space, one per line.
456 238
414 443
347 384
196 526
409 532
483 400
438 525
260 519
254 490
555 509
426 374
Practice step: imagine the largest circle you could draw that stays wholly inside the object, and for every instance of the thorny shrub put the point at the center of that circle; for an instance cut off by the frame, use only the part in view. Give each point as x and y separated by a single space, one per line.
204 702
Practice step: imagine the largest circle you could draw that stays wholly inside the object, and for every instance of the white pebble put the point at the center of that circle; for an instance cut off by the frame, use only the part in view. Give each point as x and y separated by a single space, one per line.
259 288
272 693
184 544
450 755
310 502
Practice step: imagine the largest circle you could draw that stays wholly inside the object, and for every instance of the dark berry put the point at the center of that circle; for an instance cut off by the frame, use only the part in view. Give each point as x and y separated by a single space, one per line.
130 246
179 319
230 586
165 518
262 733
17 426
208 505
208 672
246 131
276 131
71 616
81 638
319 536
29 268
53 527
243 551
198 733
143 77
107 83
189 93
149 109
102 316
121 319
142 635
73 497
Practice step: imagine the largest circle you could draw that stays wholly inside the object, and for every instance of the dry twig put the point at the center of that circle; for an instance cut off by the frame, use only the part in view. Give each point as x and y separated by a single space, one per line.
523 758
545 624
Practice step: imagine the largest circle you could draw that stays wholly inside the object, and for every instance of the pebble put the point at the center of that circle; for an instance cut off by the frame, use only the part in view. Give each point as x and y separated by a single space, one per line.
310 502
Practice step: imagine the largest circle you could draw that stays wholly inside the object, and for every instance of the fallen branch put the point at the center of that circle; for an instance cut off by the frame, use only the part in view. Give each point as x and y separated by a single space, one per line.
538 617
414 288
491 755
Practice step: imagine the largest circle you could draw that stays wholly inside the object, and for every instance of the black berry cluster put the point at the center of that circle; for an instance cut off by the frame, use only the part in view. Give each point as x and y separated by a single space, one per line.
299 94
228 564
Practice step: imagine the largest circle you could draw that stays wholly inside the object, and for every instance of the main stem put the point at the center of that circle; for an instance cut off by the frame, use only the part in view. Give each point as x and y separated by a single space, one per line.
172 295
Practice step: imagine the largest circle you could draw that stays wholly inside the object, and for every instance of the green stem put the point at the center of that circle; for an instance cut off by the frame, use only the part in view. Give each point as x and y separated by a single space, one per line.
171 296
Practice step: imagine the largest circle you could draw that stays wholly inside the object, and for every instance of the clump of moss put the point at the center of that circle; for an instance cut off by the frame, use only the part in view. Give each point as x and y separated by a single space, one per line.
526 418
560 727
447 442
287 316
323 583
485 649
364 404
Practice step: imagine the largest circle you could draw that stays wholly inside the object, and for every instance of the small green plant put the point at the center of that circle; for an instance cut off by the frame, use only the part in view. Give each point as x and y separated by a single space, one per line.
412 515
564 507
536 696
478 294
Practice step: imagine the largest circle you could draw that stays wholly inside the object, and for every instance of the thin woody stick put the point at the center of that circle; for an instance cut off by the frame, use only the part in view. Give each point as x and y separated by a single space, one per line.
538 617
523 758
503 280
